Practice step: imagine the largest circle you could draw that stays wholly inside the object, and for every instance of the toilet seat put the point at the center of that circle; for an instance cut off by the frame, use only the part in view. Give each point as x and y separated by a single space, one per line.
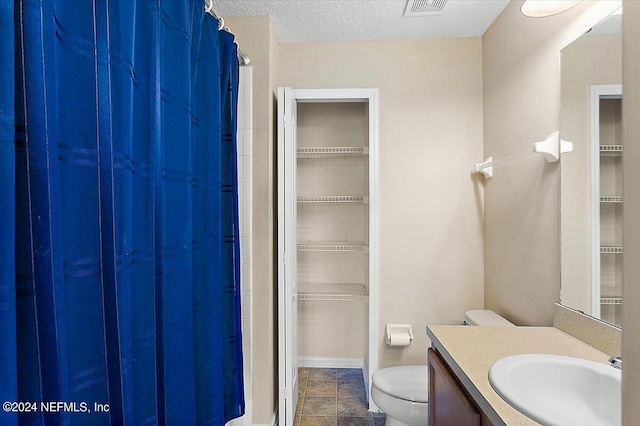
408 382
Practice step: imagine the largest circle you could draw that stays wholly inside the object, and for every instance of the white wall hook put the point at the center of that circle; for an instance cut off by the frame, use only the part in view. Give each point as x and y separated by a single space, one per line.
565 146
549 148
552 147
486 168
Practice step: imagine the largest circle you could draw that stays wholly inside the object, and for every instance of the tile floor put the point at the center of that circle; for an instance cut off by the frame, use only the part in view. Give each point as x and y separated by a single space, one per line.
333 397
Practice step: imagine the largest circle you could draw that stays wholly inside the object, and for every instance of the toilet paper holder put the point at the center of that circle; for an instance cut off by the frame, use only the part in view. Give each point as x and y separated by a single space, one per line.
398 330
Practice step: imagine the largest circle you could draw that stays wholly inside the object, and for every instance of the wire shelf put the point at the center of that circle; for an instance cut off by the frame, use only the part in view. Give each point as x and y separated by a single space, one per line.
333 246
332 152
611 249
611 198
332 291
356 199
611 300
610 150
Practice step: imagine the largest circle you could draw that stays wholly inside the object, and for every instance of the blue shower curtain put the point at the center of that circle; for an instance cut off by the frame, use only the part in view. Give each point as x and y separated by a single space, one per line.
120 273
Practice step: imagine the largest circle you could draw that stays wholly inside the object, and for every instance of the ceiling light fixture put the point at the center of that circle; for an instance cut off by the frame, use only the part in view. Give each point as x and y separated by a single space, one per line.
542 8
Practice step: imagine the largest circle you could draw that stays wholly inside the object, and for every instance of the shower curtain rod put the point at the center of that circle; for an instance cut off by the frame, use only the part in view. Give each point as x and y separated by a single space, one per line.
208 7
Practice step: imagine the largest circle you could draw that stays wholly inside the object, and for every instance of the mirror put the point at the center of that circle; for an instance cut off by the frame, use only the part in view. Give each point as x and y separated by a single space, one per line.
591 176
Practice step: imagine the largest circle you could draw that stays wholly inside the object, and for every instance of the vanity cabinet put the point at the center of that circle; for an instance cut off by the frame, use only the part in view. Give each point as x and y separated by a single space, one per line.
460 359
449 403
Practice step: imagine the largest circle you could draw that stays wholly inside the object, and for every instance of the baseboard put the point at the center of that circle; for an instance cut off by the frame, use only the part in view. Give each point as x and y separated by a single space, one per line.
319 362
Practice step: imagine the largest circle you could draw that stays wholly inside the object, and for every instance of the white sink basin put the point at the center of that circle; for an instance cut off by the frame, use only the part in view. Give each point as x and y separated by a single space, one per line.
558 390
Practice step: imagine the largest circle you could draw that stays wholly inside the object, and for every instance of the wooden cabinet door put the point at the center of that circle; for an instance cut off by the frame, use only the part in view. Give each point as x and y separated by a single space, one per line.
449 404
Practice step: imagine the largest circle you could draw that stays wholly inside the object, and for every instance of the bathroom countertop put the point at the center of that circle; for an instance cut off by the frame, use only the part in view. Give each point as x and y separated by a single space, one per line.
471 351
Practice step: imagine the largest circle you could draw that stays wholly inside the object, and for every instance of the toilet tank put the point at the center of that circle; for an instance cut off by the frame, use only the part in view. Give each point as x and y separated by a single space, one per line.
484 317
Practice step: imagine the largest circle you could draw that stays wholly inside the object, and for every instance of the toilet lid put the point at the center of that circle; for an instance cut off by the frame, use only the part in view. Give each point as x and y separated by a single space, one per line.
408 382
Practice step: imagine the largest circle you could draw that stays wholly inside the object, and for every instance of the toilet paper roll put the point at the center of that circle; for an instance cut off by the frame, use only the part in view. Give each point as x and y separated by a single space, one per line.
399 339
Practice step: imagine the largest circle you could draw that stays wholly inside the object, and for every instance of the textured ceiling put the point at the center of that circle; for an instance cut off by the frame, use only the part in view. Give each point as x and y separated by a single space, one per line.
360 20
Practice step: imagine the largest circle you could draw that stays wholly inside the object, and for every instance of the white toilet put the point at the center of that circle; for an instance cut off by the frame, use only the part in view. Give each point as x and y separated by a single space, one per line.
401 392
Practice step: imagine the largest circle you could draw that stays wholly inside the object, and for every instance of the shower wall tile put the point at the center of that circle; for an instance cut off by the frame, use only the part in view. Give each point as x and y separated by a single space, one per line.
240 202
248 368
244 161
241 178
247 92
246 358
245 224
247 194
241 127
245 247
246 305
246 329
247 381
246 271
246 143
248 176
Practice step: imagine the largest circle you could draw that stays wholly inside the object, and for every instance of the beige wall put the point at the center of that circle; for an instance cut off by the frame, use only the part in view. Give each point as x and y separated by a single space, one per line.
257 39
521 94
631 242
430 115
587 61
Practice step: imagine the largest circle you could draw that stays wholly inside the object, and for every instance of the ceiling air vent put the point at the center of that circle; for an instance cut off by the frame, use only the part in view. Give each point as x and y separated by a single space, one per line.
424 7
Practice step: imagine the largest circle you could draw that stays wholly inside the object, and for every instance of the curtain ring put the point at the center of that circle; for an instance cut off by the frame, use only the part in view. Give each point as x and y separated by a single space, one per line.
220 23
208 6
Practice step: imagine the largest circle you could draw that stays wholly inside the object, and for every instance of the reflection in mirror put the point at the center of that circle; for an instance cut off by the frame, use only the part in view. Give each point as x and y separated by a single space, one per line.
591 175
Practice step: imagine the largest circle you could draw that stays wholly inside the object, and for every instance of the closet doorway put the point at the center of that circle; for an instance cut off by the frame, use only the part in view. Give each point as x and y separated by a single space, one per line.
327 235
